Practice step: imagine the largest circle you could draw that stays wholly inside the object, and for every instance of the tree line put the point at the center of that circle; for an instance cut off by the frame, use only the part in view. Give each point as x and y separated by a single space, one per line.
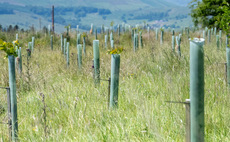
210 13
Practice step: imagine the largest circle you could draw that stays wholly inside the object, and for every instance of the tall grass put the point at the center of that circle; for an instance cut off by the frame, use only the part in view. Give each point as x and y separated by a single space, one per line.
76 110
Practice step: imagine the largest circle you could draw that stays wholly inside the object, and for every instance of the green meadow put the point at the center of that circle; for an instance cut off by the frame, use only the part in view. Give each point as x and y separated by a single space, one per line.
75 109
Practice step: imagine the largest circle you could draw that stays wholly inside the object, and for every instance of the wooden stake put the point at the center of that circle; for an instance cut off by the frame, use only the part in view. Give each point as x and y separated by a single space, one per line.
9 112
53 19
188 121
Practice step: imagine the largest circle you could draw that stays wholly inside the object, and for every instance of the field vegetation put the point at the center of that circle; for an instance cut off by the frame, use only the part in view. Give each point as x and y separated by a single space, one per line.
56 103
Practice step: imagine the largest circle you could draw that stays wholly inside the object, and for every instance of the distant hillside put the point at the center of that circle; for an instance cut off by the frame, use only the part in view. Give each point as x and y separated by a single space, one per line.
180 2
99 3
84 12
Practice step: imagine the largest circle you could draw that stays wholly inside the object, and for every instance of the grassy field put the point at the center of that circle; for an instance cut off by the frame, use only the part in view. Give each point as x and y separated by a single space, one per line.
76 109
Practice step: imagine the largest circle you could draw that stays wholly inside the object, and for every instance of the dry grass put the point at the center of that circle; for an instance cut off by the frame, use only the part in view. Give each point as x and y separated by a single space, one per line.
77 110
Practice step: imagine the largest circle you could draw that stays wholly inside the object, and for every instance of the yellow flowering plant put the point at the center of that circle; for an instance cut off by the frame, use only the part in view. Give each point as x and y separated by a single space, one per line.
112 23
8 47
84 34
117 50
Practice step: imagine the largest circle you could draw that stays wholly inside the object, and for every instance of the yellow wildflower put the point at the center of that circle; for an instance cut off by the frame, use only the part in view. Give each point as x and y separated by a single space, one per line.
116 50
35 129
17 41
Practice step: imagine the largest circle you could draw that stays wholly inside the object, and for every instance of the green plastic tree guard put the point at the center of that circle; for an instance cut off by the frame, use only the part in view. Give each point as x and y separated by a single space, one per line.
20 60
67 31
17 59
95 34
61 42
206 31
227 41
111 36
114 88
77 29
102 32
29 47
96 54
180 35
215 31
132 34
78 38
13 97
162 36
84 48
188 32
67 54
112 44
178 40
79 55
28 52
16 36
119 30
204 34
127 28
51 42
217 41
156 33
33 42
220 35
209 36
65 44
106 38
228 61
135 42
107 32
102 29
169 29
123 27
141 39
173 43
197 89
49 29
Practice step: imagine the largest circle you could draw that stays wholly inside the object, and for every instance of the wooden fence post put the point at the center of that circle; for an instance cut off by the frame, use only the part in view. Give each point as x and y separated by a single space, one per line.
188 121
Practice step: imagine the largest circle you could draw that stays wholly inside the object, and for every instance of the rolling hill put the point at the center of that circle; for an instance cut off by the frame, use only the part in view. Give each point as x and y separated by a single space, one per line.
25 13
99 3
